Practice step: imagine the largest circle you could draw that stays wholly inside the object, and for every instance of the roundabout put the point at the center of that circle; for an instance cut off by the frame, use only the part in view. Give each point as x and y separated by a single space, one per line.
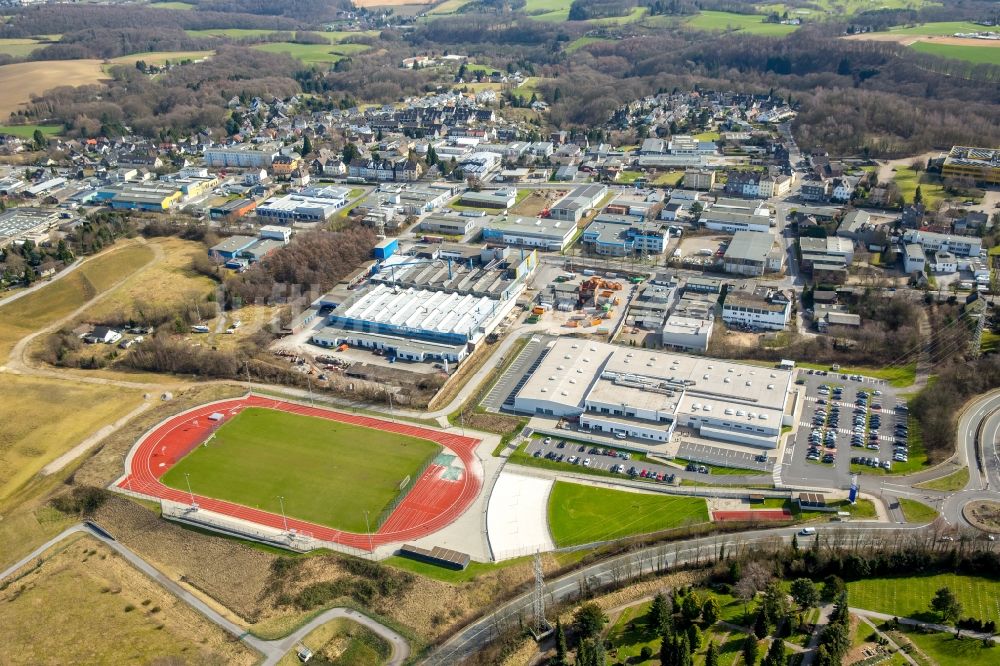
983 515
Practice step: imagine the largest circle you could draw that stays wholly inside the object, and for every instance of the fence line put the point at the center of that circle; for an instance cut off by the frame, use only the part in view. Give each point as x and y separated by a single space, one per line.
398 499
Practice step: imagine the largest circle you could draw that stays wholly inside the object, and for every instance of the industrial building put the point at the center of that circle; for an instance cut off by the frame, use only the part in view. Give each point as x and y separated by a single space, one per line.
646 395
148 197
450 224
962 246
762 309
413 324
313 204
732 215
16 223
502 198
245 156
575 205
491 272
538 232
687 333
623 235
753 253
980 164
232 210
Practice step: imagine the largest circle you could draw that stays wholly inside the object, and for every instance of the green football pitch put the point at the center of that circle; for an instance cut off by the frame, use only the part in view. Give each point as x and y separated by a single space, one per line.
583 514
328 472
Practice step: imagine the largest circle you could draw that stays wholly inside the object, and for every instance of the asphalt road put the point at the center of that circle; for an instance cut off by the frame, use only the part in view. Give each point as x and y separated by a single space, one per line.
477 635
272 651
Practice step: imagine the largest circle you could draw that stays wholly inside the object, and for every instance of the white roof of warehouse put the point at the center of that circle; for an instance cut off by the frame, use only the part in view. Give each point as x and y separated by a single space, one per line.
571 373
421 310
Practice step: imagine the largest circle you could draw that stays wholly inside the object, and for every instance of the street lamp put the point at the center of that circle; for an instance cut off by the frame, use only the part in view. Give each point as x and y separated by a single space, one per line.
368 529
187 477
284 519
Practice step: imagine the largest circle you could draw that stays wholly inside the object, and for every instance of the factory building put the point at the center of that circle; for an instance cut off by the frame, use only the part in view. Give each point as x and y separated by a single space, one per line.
647 395
542 233
413 324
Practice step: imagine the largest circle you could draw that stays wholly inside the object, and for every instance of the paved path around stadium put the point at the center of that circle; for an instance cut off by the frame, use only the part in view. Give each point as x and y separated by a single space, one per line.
272 651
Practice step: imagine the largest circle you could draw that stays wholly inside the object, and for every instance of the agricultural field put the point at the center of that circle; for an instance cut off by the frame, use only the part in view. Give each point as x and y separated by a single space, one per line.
108 612
583 514
581 42
554 11
448 7
636 14
161 57
28 131
38 427
911 596
939 29
988 54
21 80
19 47
312 462
726 21
314 53
180 6
231 33
343 642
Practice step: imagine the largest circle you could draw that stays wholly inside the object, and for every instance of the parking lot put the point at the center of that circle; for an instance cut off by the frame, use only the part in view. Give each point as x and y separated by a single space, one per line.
845 418
725 456
601 458
513 378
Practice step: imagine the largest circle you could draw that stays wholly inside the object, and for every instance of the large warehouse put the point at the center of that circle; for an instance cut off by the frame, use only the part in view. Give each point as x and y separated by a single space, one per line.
413 324
648 394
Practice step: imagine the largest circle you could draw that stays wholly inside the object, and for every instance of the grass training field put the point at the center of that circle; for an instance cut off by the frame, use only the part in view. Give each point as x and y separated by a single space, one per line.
911 596
329 472
977 55
108 613
21 80
584 514
725 21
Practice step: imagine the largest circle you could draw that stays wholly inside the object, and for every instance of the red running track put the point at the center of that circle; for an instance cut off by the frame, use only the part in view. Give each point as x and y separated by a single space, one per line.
750 516
431 504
